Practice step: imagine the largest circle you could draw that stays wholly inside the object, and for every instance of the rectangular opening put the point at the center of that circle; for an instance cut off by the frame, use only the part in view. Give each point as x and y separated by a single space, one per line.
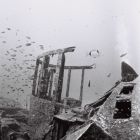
127 90
122 109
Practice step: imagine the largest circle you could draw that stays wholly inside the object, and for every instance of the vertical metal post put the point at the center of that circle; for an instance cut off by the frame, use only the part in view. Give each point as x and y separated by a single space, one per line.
82 84
35 78
68 82
50 82
58 81
43 81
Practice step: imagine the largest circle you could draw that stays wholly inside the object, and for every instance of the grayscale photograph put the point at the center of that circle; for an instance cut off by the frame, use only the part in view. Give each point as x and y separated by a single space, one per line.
69 69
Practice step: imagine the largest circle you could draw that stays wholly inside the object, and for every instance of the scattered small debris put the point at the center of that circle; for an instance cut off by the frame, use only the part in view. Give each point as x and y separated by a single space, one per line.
28 37
28 44
4 42
19 46
89 83
9 29
122 55
94 53
109 75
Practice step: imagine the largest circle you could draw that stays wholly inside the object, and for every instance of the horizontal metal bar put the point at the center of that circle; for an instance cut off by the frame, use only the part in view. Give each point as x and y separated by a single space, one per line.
65 50
70 67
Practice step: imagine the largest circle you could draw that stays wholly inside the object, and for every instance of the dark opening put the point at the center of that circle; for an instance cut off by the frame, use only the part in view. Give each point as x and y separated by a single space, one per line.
62 129
127 90
122 109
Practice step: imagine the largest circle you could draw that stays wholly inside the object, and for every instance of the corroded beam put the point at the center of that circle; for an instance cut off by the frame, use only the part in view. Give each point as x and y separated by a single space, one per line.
82 84
35 77
68 83
50 82
58 80
43 80
71 67
65 50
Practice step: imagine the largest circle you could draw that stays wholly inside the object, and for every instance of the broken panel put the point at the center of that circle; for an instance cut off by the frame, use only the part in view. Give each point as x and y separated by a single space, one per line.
127 90
122 109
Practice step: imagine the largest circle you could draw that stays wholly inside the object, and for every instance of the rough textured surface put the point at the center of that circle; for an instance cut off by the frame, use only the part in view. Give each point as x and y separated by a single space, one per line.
128 73
120 129
71 102
87 131
13 120
9 103
95 133
105 126
41 115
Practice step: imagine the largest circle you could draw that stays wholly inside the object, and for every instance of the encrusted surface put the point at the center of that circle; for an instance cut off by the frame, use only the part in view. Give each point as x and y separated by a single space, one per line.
41 115
120 128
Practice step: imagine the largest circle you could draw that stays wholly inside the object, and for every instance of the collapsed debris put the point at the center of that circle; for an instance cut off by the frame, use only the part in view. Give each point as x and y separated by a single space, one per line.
48 112
118 112
55 119
114 116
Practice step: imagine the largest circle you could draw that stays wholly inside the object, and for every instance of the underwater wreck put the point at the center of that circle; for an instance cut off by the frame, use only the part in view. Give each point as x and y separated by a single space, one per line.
13 121
50 116
115 116
118 112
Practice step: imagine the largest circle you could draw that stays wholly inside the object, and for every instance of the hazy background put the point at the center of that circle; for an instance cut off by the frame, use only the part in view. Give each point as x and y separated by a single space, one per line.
112 27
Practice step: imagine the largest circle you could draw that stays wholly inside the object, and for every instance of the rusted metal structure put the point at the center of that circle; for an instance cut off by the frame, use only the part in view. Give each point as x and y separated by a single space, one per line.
46 101
114 116
118 112
13 123
43 80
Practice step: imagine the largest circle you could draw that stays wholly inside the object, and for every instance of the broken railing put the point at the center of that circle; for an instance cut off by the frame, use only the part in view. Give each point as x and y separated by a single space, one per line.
48 78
